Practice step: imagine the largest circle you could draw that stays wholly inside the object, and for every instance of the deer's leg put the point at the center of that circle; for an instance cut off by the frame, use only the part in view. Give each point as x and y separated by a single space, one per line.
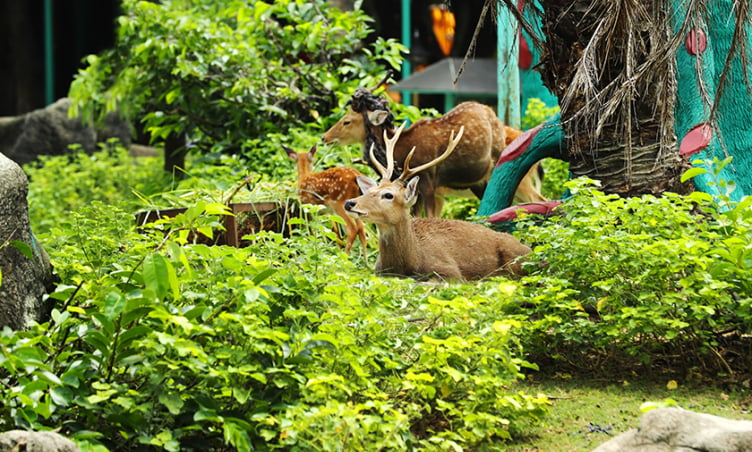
438 204
362 234
351 228
479 190
428 193
335 228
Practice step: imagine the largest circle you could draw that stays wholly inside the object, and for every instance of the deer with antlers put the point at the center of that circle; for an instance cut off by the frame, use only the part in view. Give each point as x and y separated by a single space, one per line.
331 188
451 249
369 119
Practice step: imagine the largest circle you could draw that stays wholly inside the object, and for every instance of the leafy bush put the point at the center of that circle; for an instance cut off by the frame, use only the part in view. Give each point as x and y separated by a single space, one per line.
536 113
647 277
555 176
157 342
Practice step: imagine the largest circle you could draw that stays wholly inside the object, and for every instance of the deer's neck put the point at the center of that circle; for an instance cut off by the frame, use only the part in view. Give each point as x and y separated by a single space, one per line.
375 138
304 169
398 249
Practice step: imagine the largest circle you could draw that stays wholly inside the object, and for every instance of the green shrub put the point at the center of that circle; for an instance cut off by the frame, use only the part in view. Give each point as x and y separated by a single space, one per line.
536 112
160 343
643 277
555 176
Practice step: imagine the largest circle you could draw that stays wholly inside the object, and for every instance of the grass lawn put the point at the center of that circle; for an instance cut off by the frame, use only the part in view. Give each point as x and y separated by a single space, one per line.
585 414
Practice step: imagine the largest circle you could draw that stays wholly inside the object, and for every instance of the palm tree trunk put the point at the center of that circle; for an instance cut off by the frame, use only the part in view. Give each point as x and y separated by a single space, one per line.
607 64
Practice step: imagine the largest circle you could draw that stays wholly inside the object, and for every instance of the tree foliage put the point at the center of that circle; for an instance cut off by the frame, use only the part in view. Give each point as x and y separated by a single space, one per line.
223 72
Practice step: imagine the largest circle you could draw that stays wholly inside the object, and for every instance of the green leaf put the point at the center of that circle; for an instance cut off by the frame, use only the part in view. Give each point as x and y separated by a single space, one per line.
128 336
160 277
100 342
101 396
108 326
61 396
23 247
114 304
206 415
692 172
179 254
172 95
172 401
261 276
134 314
236 433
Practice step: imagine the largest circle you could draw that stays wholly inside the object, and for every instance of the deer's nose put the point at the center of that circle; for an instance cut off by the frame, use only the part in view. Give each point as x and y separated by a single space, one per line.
349 204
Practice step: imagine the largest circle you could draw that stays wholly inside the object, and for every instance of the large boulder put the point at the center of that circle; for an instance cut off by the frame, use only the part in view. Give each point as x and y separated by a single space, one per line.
677 430
50 131
25 280
18 440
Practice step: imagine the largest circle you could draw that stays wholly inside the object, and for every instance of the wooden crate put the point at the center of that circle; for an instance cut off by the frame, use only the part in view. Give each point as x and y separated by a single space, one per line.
246 219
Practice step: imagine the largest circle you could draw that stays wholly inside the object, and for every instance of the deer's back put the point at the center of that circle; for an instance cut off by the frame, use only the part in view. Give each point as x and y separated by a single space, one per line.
333 184
474 250
477 151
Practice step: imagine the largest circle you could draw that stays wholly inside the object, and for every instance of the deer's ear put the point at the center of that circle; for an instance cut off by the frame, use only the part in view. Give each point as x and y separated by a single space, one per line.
378 117
411 191
311 153
290 153
365 183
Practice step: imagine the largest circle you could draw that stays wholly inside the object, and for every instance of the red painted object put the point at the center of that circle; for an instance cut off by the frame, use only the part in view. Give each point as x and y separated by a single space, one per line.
518 146
697 139
526 57
510 213
696 42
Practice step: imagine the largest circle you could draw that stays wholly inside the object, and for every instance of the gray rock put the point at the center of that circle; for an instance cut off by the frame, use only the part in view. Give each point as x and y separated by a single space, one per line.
49 131
24 281
677 430
20 440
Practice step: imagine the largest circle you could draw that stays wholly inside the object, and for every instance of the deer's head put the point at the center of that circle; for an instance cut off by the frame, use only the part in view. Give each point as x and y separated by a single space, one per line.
367 114
388 202
303 160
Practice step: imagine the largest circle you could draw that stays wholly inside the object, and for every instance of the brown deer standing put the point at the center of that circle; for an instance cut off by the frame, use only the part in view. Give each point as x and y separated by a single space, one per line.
452 249
331 188
470 166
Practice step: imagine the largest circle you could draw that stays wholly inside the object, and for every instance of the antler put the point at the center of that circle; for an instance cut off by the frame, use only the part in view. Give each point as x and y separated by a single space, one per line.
408 172
386 173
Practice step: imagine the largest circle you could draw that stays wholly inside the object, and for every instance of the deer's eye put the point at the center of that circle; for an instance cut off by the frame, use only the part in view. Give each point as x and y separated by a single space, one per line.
346 123
388 195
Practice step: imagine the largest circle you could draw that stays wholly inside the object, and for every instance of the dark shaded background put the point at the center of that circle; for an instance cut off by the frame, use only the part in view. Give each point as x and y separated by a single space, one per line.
83 27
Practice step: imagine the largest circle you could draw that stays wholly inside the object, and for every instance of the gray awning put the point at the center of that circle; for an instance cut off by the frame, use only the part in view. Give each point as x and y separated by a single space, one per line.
478 78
